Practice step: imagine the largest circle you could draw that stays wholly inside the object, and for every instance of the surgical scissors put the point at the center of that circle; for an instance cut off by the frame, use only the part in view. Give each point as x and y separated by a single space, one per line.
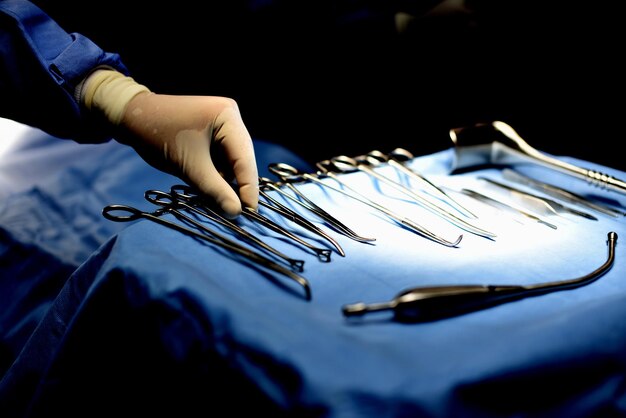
250 213
297 175
284 174
346 164
164 199
134 214
396 158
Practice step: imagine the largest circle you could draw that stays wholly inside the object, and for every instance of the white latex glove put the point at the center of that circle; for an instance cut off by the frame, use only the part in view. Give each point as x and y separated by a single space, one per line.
200 139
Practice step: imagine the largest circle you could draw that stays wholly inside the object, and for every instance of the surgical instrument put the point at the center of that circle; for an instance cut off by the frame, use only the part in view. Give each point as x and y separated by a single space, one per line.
396 159
498 204
111 212
411 225
499 143
560 193
538 201
307 203
347 164
436 302
164 199
322 253
298 219
354 194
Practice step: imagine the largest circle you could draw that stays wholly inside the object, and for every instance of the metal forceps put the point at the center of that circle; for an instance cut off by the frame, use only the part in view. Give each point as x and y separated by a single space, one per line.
133 214
179 200
347 164
501 205
396 158
560 193
357 196
322 253
538 202
284 172
297 218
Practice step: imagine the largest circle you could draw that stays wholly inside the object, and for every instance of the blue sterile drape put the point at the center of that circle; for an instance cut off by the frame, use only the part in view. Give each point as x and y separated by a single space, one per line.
100 317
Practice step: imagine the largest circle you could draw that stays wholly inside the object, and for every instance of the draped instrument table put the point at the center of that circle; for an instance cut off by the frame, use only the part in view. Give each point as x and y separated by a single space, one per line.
155 320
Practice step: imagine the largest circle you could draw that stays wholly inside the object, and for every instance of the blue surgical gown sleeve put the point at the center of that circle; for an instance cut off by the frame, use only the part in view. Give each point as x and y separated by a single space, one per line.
40 67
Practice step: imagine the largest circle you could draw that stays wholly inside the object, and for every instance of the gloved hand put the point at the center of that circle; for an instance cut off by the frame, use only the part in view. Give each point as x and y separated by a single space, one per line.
200 139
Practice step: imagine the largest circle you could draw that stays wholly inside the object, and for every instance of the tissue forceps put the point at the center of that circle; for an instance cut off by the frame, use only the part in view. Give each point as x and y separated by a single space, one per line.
284 174
436 302
347 164
396 158
560 193
322 253
133 214
542 202
298 219
164 199
496 203
361 198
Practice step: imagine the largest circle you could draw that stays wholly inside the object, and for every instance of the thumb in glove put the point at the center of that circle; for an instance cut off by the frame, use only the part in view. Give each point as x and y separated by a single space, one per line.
200 139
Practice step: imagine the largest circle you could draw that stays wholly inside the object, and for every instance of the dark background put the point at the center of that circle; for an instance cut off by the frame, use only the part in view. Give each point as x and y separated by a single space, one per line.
339 77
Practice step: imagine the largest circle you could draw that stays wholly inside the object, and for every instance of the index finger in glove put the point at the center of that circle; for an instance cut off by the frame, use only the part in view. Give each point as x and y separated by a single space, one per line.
236 146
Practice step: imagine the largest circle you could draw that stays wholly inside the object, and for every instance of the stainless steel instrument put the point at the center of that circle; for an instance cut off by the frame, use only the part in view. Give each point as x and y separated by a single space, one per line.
560 193
499 143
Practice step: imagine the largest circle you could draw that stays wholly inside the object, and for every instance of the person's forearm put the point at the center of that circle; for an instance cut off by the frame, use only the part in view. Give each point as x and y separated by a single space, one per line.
41 66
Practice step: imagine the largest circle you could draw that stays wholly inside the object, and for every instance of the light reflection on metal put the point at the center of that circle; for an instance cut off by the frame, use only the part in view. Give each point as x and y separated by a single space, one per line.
499 143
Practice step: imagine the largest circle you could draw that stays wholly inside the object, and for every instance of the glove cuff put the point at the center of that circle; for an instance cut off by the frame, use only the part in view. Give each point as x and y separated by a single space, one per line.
109 92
